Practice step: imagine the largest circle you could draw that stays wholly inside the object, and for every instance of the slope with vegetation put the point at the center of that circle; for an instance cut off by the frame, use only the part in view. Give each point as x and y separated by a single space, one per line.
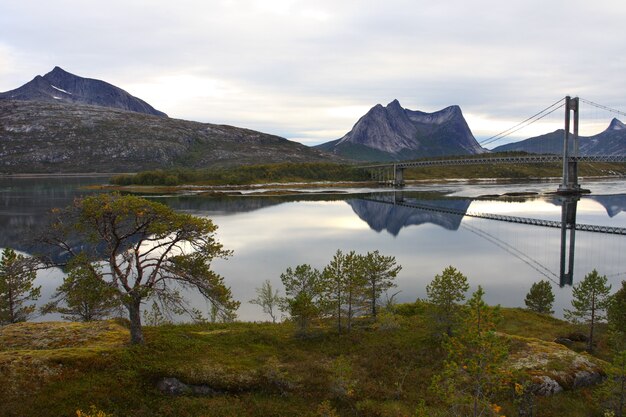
487 361
256 369
252 174
57 137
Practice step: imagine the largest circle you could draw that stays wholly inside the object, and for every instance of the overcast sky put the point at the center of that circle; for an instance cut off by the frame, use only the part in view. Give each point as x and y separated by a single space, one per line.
307 70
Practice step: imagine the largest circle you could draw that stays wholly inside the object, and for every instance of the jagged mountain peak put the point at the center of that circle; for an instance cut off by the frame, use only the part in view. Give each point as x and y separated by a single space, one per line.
616 124
58 70
61 86
393 132
394 104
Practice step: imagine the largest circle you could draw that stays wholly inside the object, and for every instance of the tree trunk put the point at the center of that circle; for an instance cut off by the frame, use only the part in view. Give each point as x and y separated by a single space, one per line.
12 318
374 300
620 405
339 311
476 394
134 314
349 315
593 319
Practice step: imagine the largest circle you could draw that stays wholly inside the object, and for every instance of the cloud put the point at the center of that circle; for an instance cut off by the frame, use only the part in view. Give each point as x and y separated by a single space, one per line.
283 65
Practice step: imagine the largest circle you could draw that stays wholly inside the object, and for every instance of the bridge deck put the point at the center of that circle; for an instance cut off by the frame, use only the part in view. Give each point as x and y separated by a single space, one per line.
536 159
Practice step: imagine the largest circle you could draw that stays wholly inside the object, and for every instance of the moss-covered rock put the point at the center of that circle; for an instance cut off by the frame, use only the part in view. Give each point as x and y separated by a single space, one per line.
552 367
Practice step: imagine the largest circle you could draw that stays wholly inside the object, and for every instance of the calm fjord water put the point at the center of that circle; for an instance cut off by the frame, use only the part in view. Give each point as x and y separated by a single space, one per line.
269 234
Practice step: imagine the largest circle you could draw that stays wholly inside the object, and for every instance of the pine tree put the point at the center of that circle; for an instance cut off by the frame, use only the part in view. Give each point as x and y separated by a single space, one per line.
613 390
150 251
380 272
540 298
616 312
17 274
472 374
303 295
590 301
84 294
354 286
334 277
445 292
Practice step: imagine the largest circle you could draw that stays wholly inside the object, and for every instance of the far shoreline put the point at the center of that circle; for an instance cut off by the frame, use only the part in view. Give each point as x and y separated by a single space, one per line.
281 188
64 174
320 187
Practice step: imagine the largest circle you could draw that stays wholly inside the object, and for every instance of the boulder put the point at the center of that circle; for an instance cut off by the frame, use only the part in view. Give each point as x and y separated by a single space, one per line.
551 367
175 387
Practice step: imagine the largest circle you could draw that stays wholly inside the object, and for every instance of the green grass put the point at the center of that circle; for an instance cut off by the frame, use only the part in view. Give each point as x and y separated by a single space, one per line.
260 369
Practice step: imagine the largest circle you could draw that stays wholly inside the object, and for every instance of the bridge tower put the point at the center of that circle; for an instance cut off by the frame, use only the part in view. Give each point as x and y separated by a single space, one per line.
569 183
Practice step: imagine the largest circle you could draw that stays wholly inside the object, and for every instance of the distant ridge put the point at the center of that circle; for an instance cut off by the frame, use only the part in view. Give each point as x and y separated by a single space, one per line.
61 86
611 141
393 133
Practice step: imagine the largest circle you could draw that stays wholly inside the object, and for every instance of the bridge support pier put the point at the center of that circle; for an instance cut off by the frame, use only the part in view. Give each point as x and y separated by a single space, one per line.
569 184
398 176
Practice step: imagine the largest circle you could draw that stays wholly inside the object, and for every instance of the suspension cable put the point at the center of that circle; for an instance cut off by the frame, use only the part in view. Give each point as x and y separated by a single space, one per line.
600 106
527 259
527 122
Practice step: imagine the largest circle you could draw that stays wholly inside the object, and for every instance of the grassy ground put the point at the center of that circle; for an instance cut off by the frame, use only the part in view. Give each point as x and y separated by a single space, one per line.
382 368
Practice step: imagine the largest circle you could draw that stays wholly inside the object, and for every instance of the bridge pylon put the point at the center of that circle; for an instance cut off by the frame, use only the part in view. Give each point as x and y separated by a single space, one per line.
569 184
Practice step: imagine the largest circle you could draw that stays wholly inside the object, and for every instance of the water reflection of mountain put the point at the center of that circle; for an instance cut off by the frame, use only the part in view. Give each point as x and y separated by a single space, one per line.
207 206
24 215
26 202
25 205
226 205
614 204
384 215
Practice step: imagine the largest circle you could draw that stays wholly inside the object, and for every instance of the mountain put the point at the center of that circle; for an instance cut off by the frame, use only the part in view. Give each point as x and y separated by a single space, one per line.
60 86
393 133
612 141
45 136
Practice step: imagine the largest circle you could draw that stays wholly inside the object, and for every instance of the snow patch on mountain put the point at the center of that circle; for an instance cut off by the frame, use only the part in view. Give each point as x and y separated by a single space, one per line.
60 89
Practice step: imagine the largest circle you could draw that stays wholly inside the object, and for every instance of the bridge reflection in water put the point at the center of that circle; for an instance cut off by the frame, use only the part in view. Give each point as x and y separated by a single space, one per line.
442 212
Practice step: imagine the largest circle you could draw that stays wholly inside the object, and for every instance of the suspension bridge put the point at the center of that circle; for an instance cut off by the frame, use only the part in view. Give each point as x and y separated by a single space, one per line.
393 173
